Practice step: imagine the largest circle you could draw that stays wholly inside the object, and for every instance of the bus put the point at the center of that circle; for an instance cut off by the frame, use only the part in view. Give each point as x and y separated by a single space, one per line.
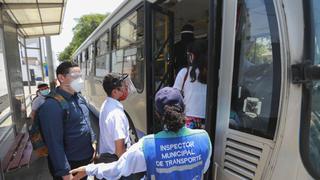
263 91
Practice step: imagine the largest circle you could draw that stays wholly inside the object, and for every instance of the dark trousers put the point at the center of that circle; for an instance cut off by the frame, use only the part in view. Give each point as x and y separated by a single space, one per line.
73 165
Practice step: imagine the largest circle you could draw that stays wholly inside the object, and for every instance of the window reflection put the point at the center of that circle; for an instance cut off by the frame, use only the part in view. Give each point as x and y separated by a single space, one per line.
160 46
256 80
314 133
102 55
127 48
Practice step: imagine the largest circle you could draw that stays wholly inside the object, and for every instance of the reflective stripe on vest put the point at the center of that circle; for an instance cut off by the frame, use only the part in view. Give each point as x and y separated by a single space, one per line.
179 155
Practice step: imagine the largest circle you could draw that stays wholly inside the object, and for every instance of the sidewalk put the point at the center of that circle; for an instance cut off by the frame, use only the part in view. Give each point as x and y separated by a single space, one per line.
38 170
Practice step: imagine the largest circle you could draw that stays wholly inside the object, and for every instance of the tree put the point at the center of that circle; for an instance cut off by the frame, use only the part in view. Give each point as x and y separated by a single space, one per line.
85 26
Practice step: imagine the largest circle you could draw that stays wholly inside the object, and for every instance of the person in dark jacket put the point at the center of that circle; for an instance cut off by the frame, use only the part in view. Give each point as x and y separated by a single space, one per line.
68 135
180 48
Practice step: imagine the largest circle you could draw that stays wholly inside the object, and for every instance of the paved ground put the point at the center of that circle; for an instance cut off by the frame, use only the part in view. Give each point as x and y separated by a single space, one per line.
38 169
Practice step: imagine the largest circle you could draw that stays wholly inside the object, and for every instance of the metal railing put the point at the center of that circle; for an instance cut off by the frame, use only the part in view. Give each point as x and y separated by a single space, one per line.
5 116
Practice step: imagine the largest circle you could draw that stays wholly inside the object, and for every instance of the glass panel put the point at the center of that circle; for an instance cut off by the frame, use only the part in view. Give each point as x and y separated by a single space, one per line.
103 44
27 16
314 133
4 98
50 14
90 51
33 43
84 62
51 29
160 51
21 1
117 60
33 30
50 1
102 65
127 45
256 78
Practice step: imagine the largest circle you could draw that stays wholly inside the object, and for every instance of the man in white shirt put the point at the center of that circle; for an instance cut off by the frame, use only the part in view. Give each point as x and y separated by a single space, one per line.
114 126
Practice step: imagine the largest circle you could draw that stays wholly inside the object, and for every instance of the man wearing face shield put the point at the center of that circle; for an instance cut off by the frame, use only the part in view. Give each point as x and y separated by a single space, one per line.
114 126
67 133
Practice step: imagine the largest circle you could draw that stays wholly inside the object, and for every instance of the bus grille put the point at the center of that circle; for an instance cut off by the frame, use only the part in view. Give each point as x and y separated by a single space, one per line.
241 159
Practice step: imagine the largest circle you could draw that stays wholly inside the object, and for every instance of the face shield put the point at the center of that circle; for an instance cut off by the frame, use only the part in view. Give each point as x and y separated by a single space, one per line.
127 83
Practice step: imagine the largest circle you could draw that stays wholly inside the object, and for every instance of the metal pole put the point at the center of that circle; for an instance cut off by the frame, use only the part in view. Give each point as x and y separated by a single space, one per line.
6 69
27 64
41 60
50 62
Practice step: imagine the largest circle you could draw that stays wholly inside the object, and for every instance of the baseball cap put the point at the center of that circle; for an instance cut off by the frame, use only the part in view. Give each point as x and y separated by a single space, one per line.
187 28
168 96
42 85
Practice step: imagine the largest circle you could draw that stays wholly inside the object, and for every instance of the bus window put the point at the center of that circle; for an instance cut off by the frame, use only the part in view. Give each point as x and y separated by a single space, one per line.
256 76
127 48
310 133
102 55
84 62
160 46
90 59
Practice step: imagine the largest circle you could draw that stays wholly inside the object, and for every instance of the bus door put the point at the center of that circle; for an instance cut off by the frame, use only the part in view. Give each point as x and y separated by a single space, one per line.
249 90
159 43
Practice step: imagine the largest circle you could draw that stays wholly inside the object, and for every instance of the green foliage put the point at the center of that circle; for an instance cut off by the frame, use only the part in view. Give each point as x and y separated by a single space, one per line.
85 26
259 52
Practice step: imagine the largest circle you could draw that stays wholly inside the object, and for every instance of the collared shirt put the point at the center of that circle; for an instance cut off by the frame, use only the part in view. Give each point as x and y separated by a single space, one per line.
113 125
67 140
132 161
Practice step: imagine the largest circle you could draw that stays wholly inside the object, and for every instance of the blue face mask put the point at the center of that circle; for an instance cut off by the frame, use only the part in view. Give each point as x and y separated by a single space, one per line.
44 92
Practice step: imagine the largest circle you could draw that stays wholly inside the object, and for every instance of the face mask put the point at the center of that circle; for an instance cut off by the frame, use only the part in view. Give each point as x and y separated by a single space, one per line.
44 92
77 84
124 95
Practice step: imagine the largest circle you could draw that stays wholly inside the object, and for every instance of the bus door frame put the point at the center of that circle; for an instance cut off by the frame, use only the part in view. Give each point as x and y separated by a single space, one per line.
214 53
228 34
150 68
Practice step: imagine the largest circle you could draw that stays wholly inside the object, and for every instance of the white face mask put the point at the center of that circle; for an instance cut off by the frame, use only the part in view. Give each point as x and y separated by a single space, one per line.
77 84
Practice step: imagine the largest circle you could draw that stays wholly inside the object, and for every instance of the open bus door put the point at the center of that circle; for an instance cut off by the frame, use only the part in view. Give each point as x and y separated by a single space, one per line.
159 43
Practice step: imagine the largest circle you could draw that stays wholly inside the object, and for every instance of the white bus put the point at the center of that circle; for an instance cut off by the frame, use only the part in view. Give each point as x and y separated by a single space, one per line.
262 90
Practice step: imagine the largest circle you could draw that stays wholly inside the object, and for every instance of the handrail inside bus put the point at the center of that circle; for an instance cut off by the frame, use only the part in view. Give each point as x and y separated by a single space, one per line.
4 117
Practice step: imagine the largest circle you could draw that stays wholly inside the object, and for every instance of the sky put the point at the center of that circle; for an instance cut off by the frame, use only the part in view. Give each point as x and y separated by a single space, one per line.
74 10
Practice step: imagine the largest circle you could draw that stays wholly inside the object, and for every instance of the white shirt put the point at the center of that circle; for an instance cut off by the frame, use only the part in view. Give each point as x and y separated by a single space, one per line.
37 102
195 94
113 125
132 161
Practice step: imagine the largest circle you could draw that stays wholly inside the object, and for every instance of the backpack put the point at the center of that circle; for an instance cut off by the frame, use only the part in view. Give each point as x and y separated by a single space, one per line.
34 128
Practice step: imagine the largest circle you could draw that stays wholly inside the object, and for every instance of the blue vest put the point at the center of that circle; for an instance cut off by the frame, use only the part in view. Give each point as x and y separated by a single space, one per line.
179 155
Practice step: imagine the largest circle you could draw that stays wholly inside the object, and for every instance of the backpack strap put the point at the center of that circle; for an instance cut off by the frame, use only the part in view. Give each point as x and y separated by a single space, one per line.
185 78
63 103
184 81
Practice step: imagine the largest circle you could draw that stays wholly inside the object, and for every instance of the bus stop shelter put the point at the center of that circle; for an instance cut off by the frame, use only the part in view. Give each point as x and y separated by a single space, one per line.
21 20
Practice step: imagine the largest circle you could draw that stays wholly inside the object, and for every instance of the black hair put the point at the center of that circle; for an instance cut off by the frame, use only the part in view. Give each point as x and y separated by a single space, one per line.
200 50
42 85
112 81
65 66
172 118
